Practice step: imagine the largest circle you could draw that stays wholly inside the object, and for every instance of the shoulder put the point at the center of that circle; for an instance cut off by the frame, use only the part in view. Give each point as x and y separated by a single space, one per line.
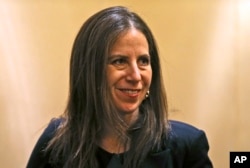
189 144
38 158
52 126
50 131
186 146
186 136
181 129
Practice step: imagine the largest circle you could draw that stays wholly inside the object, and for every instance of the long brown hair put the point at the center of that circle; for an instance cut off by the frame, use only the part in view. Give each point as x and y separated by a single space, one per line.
75 142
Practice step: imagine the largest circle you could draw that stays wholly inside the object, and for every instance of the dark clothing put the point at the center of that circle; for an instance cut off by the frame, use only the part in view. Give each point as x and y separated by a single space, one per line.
187 147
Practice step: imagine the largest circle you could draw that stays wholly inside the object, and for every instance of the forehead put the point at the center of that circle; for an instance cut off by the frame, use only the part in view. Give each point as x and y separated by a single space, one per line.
131 32
130 38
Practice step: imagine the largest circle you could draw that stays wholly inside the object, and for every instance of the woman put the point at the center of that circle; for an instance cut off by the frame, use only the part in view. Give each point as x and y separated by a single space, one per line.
117 113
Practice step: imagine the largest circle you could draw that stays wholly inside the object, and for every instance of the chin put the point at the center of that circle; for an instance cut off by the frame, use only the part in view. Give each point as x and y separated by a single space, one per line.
129 110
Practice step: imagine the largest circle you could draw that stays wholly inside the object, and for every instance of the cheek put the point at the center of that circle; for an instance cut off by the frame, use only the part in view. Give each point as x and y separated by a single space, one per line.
148 77
113 76
110 76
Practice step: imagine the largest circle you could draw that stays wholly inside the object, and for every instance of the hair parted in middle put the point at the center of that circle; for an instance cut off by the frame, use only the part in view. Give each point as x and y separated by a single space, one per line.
90 104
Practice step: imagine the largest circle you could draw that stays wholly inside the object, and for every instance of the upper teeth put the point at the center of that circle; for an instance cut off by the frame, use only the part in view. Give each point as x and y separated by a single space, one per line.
130 91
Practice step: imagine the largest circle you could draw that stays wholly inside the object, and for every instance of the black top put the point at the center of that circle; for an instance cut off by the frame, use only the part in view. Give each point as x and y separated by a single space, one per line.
104 157
187 147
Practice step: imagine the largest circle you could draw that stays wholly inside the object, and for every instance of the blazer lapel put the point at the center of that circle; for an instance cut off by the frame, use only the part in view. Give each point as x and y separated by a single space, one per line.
161 159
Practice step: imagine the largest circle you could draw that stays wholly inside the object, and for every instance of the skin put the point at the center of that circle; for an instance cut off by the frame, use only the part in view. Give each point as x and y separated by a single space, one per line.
129 76
129 73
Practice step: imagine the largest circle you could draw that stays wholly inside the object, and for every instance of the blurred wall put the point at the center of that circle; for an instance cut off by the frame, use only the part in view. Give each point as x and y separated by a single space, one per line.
204 47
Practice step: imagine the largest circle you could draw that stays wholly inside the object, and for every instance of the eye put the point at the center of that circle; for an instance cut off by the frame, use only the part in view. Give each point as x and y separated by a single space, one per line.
144 61
119 62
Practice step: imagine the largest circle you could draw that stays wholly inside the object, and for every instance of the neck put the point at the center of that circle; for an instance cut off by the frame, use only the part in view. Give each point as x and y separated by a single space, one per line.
130 118
111 142
117 142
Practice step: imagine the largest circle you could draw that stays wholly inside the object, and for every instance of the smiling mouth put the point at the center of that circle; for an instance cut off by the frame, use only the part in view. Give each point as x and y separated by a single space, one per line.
131 92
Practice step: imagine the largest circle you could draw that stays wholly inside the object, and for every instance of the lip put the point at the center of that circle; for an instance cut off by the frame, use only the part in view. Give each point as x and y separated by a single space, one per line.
133 93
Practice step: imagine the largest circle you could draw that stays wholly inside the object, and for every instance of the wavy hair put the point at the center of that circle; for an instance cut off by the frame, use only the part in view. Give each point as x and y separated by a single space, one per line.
90 103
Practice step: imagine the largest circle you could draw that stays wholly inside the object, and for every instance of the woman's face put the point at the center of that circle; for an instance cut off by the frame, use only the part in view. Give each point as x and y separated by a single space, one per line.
129 71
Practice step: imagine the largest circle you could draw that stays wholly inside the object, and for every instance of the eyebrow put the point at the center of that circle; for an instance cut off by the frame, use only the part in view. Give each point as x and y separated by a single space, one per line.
124 56
117 55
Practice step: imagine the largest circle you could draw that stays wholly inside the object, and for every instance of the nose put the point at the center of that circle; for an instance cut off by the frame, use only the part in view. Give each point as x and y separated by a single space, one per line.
133 73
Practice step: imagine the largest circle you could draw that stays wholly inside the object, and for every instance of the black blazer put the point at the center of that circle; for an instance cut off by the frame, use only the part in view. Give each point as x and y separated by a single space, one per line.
187 147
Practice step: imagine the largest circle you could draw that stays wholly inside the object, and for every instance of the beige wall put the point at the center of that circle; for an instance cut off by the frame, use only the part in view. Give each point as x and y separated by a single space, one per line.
204 46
